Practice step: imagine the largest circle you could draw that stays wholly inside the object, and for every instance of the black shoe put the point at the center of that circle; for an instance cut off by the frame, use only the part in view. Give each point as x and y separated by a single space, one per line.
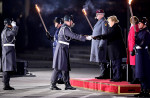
70 88
141 94
100 77
135 82
54 88
8 88
60 81
116 80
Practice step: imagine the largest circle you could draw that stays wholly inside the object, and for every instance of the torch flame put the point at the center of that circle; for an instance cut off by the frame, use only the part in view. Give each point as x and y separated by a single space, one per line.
38 9
130 2
83 10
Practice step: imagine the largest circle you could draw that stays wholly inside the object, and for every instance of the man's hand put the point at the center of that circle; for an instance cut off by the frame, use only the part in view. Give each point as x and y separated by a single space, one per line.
49 36
99 37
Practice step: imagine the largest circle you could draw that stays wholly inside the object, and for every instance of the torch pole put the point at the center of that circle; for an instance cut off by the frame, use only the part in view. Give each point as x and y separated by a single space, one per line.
132 17
42 21
38 10
89 22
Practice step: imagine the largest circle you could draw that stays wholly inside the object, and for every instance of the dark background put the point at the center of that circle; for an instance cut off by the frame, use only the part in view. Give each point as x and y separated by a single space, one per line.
31 33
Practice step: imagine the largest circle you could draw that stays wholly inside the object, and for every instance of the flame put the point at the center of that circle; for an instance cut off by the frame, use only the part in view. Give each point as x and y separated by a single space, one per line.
38 9
130 2
84 11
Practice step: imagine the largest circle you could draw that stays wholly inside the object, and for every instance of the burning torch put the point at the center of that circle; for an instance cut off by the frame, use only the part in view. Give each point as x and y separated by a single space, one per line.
84 11
132 15
38 10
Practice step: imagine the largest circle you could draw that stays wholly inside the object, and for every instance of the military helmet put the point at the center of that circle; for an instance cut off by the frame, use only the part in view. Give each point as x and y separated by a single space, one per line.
58 20
7 21
144 20
68 18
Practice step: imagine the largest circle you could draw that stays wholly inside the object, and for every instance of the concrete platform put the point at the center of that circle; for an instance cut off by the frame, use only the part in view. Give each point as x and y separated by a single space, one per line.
37 85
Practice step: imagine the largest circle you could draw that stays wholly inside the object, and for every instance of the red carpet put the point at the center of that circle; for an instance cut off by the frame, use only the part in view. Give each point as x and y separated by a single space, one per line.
105 85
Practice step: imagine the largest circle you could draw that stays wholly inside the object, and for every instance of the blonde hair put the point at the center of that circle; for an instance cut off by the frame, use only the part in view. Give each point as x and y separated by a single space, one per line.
113 18
136 20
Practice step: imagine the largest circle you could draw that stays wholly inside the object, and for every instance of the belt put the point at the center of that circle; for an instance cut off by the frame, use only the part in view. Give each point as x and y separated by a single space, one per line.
138 47
8 44
62 42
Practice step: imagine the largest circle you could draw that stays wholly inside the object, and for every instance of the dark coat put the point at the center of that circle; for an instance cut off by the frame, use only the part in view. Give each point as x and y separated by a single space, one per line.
131 44
8 52
97 55
142 67
61 56
116 46
55 40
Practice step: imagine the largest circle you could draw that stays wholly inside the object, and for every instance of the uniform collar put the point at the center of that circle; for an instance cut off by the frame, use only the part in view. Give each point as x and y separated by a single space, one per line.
144 29
101 19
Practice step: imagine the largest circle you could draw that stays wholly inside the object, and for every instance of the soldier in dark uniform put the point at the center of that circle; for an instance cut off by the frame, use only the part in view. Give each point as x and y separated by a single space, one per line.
61 56
58 23
8 51
142 68
99 47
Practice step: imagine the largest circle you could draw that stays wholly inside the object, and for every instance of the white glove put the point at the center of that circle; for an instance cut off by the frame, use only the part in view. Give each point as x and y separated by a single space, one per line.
88 37
13 23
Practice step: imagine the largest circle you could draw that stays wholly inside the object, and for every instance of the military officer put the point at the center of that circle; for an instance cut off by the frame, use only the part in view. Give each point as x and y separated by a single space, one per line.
58 23
8 51
142 58
61 56
99 47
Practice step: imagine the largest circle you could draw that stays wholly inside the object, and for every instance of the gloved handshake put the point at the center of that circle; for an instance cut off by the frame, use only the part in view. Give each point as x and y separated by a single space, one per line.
13 23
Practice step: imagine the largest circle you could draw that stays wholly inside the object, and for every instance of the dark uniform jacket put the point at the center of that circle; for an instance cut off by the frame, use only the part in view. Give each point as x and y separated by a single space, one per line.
116 45
55 40
142 57
8 48
61 55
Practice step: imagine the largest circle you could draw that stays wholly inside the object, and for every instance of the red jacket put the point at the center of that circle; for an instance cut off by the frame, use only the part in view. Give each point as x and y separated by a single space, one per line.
131 43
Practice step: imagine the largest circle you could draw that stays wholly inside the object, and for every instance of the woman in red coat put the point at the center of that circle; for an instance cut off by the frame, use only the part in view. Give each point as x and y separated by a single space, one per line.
131 43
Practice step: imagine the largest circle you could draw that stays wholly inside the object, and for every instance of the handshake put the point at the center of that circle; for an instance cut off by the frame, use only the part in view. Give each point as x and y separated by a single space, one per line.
13 23
99 37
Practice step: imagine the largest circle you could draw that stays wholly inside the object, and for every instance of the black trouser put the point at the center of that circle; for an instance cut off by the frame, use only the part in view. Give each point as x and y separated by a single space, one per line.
6 77
132 73
103 69
144 83
116 67
55 74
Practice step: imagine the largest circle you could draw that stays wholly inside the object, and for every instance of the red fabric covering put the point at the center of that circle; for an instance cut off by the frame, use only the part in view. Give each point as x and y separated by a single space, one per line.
106 85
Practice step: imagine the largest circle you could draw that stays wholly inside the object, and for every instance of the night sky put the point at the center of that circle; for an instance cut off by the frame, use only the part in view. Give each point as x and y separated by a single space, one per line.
31 33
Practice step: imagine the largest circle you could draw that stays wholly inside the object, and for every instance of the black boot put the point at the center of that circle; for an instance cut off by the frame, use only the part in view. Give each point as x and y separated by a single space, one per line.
100 77
54 87
136 81
7 87
60 81
141 94
69 87
146 93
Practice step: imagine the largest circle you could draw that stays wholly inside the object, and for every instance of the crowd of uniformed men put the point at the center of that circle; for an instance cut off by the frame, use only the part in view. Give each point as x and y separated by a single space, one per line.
106 40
